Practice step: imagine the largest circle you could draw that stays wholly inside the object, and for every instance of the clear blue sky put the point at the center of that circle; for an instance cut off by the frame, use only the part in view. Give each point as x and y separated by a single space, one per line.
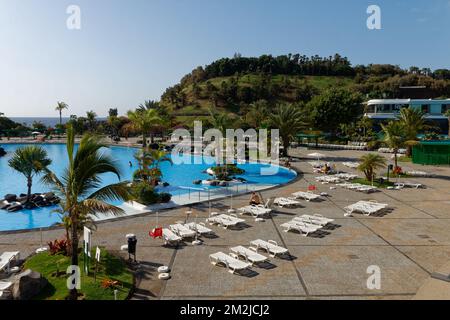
130 51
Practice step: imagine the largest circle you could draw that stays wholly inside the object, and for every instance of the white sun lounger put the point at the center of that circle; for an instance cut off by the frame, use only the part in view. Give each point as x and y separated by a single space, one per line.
365 207
170 237
182 230
6 258
255 211
286 202
5 287
302 227
409 185
249 254
308 196
225 220
231 263
200 228
270 247
314 219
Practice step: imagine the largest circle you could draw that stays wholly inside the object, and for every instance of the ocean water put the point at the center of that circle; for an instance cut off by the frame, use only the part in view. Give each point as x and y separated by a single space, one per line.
180 177
48 121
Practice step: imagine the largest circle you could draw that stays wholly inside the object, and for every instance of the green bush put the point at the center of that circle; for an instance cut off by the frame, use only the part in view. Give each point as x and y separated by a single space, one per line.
373 145
165 197
145 194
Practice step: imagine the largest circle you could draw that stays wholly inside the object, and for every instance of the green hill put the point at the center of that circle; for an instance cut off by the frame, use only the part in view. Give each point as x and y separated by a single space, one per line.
231 85
233 94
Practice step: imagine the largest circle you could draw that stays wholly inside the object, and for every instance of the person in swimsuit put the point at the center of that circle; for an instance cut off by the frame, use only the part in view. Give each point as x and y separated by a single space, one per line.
255 199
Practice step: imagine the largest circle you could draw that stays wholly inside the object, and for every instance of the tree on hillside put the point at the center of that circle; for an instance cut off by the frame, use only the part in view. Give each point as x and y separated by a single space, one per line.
257 114
334 107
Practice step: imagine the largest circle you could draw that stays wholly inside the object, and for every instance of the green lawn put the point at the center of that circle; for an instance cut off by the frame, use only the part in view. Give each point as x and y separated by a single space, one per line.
111 267
375 183
404 159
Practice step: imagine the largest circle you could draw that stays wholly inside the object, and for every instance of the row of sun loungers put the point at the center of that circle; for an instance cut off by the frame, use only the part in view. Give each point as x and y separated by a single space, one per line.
365 207
178 232
328 179
415 173
241 258
358 187
226 221
308 196
346 176
352 165
306 224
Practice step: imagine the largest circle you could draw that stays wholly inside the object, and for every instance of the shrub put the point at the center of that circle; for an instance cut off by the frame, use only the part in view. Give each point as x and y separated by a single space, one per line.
145 193
373 145
165 197
58 247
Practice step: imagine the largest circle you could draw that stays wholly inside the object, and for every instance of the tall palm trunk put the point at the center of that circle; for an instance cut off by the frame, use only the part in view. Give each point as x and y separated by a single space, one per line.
395 159
144 140
73 295
60 118
29 184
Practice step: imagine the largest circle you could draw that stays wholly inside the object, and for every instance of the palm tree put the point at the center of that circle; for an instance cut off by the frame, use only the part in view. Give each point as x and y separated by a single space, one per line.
289 120
149 165
29 161
220 120
60 107
257 114
413 122
90 116
80 190
370 163
394 137
144 120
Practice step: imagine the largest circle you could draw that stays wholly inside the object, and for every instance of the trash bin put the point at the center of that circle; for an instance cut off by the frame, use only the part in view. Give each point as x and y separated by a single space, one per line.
132 242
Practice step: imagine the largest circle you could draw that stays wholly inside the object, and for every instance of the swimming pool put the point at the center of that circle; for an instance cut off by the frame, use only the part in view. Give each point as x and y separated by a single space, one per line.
180 178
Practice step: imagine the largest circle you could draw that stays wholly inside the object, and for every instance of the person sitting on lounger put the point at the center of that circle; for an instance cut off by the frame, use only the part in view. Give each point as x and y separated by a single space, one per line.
255 200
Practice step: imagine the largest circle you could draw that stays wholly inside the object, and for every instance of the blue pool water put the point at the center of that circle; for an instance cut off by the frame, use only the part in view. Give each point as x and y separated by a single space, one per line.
180 178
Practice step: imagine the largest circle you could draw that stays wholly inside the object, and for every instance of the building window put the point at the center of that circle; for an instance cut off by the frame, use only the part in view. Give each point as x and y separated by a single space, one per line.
444 108
426 108
370 109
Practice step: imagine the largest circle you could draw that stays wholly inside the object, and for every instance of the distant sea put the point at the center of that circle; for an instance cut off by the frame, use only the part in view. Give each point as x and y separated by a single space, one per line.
47 121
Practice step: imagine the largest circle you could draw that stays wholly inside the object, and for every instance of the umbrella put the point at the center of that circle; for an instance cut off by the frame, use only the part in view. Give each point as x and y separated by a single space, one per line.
34 133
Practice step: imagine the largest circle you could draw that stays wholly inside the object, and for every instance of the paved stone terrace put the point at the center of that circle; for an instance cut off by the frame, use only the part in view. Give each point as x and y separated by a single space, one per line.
408 244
